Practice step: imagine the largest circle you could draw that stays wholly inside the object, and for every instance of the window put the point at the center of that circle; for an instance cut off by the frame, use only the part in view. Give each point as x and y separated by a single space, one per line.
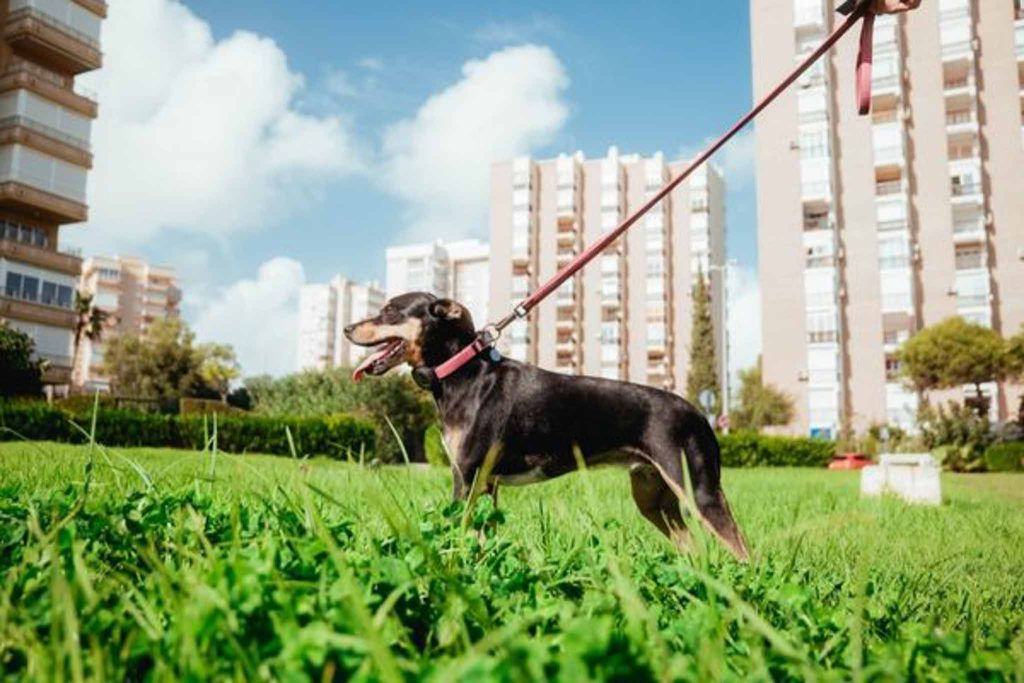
13 287
49 296
821 328
64 296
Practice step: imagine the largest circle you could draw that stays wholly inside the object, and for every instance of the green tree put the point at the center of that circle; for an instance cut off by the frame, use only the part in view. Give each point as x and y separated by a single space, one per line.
163 365
218 368
759 405
90 323
703 373
954 353
1015 366
20 373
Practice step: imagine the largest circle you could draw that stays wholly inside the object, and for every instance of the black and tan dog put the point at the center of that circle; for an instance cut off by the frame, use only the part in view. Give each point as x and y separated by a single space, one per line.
537 421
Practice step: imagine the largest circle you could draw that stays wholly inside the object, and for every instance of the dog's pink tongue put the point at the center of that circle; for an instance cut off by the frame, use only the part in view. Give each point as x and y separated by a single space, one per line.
361 369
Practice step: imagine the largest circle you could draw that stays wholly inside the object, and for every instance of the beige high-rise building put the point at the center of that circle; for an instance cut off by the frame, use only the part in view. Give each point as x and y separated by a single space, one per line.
871 228
45 126
628 314
133 294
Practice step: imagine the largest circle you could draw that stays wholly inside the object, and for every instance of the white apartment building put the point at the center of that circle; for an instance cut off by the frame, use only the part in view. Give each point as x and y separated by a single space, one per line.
324 312
871 228
628 315
457 270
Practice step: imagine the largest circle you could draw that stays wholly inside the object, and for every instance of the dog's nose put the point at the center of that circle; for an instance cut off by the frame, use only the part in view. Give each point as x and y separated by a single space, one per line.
349 328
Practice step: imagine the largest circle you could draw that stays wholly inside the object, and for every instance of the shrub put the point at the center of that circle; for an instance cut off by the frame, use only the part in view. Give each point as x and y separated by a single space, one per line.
1005 457
749 449
315 393
337 436
206 406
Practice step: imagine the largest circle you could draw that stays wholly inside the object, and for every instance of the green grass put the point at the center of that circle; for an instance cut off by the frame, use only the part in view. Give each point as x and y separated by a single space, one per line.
168 565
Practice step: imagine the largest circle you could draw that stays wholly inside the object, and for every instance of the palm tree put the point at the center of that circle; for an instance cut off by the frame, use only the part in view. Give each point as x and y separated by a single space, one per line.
90 323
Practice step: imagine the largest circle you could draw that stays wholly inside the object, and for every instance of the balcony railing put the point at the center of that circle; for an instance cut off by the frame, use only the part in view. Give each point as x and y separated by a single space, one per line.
957 49
894 224
821 261
894 262
46 130
954 118
54 23
966 189
972 301
892 154
18 65
889 188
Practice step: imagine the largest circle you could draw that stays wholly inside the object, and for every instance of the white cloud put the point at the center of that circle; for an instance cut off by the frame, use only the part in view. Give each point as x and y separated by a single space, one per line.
259 318
744 320
736 159
197 134
512 32
371 63
439 161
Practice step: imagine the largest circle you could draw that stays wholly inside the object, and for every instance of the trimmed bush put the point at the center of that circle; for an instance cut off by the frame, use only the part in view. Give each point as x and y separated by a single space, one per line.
336 436
207 406
749 449
1005 457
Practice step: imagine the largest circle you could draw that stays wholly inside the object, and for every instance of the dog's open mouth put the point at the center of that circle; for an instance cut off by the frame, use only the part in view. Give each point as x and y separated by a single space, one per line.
388 355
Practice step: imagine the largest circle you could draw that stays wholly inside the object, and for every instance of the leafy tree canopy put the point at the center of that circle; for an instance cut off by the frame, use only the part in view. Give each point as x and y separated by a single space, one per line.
953 353
760 405
20 373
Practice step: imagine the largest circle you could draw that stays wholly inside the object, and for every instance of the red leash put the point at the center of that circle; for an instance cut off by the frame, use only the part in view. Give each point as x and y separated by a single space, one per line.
855 11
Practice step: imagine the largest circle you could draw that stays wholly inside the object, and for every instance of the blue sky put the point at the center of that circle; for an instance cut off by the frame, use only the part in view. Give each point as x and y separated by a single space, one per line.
353 83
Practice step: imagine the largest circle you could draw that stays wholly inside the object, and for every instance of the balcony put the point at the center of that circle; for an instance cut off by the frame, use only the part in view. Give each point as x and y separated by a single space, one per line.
17 308
882 86
961 123
891 155
46 259
967 193
959 87
957 51
969 231
889 188
21 130
893 224
51 40
22 74
17 195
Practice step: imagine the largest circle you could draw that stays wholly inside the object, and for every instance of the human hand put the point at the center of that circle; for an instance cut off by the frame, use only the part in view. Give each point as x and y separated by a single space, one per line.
894 6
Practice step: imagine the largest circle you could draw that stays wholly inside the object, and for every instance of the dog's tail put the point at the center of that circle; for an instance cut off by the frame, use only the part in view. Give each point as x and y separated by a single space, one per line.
704 462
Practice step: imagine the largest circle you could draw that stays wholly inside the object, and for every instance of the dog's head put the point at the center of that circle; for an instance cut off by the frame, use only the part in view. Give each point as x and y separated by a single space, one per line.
417 328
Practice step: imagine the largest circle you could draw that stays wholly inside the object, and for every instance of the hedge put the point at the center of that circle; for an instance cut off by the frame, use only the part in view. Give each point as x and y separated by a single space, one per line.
749 449
337 436
1005 457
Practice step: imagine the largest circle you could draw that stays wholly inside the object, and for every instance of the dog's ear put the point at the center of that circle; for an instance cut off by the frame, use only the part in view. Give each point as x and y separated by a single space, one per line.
446 309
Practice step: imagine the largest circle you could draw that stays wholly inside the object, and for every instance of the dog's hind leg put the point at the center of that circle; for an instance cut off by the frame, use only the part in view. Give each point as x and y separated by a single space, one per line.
656 501
702 459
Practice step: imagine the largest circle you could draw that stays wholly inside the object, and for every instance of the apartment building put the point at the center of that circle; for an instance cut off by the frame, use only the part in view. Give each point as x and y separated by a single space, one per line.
44 158
459 270
871 228
324 312
628 315
134 294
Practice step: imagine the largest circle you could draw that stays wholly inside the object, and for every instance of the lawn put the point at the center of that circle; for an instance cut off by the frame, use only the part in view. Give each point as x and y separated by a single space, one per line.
169 565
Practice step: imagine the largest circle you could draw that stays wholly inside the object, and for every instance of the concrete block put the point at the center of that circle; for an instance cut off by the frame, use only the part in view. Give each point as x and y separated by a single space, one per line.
914 477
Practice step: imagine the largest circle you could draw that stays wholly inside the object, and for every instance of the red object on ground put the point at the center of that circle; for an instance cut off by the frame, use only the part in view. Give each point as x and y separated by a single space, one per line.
850 461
